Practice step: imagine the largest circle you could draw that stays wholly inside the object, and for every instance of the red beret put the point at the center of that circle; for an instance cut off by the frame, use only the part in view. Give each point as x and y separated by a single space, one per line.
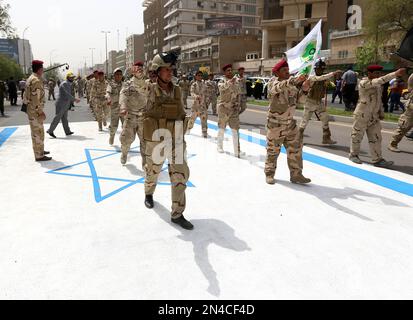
101 72
374 67
96 71
37 63
227 66
241 68
281 64
138 64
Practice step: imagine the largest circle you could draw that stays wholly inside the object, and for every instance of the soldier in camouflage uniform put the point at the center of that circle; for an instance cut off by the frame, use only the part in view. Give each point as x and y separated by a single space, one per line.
80 87
369 112
199 108
97 96
185 86
165 116
112 95
284 92
93 79
229 110
315 102
34 98
212 93
133 99
405 121
243 89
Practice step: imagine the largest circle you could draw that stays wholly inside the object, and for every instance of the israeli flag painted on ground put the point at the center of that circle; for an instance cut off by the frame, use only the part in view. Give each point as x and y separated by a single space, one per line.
302 57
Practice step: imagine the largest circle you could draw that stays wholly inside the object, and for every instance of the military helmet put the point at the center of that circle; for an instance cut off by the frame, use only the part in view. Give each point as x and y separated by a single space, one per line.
164 60
320 64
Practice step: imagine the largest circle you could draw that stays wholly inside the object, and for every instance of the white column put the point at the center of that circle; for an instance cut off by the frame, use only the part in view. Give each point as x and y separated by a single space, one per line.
265 47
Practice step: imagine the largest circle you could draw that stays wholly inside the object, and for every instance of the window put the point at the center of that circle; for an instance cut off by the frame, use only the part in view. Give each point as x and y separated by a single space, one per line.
238 7
308 10
307 30
200 28
200 16
200 5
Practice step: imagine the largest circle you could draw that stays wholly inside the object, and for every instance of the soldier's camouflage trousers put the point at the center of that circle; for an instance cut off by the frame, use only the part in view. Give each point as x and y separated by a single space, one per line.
106 113
309 108
98 106
287 135
37 133
243 102
114 119
132 127
178 174
229 117
405 124
199 111
185 95
212 100
363 125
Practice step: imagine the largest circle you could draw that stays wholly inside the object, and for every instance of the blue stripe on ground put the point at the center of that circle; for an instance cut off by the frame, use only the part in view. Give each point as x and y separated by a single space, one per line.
372 177
5 134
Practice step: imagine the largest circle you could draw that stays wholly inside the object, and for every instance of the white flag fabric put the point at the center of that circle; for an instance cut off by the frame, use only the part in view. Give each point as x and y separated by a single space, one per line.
302 57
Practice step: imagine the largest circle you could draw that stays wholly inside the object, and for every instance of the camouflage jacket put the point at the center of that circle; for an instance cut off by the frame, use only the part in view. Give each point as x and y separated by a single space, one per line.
199 92
211 88
185 85
229 90
113 91
318 86
243 84
134 95
34 96
98 90
370 105
283 96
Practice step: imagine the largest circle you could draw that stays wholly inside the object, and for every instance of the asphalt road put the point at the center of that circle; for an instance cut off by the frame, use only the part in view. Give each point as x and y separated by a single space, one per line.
254 119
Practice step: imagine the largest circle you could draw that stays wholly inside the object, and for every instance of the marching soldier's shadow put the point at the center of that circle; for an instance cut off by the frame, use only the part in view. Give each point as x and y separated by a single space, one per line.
206 232
330 195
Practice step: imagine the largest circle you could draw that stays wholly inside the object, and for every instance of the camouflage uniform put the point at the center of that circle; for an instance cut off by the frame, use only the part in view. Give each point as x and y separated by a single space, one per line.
367 116
133 99
80 87
212 95
113 93
243 93
97 96
165 110
51 85
282 129
199 108
228 113
185 86
89 84
406 119
315 103
34 97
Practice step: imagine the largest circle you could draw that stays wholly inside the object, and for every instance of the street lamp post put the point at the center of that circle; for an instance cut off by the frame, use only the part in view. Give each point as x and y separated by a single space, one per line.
91 49
24 52
106 44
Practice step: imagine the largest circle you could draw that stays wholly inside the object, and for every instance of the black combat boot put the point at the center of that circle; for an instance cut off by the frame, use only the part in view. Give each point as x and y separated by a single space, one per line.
149 202
183 223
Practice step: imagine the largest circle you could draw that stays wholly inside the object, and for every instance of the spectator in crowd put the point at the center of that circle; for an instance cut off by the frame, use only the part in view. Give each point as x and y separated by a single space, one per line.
396 86
11 84
337 91
349 86
22 87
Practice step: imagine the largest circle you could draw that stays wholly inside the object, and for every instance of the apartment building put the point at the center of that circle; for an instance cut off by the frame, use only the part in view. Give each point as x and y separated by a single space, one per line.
134 49
154 22
186 20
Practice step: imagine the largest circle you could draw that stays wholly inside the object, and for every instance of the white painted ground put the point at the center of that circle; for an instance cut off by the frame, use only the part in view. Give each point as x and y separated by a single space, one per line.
339 238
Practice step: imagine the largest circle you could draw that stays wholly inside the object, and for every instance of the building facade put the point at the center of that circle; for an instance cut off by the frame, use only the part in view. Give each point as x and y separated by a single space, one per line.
134 49
187 20
154 23
18 50
212 53
117 59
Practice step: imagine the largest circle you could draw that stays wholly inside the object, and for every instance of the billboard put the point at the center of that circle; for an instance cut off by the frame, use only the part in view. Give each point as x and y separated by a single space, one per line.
9 48
224 25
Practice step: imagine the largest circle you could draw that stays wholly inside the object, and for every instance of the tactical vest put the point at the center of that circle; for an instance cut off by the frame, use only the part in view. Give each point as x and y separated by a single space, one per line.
317 91
164 113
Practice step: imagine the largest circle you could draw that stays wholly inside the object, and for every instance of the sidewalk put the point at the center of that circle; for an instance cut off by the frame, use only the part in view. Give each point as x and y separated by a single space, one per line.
76 227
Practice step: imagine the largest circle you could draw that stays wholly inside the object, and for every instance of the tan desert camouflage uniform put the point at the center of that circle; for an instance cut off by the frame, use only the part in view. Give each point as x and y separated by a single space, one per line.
199 108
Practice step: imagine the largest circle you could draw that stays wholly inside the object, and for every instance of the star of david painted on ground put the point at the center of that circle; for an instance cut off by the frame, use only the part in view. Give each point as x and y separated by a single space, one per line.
96 178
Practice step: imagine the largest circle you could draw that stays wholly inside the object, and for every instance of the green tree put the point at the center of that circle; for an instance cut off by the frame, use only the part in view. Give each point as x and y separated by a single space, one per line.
385 17
9 68
366 55
6 28
54 74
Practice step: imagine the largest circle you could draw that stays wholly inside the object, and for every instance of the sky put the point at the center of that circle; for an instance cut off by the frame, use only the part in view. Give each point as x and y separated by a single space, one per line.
63 31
